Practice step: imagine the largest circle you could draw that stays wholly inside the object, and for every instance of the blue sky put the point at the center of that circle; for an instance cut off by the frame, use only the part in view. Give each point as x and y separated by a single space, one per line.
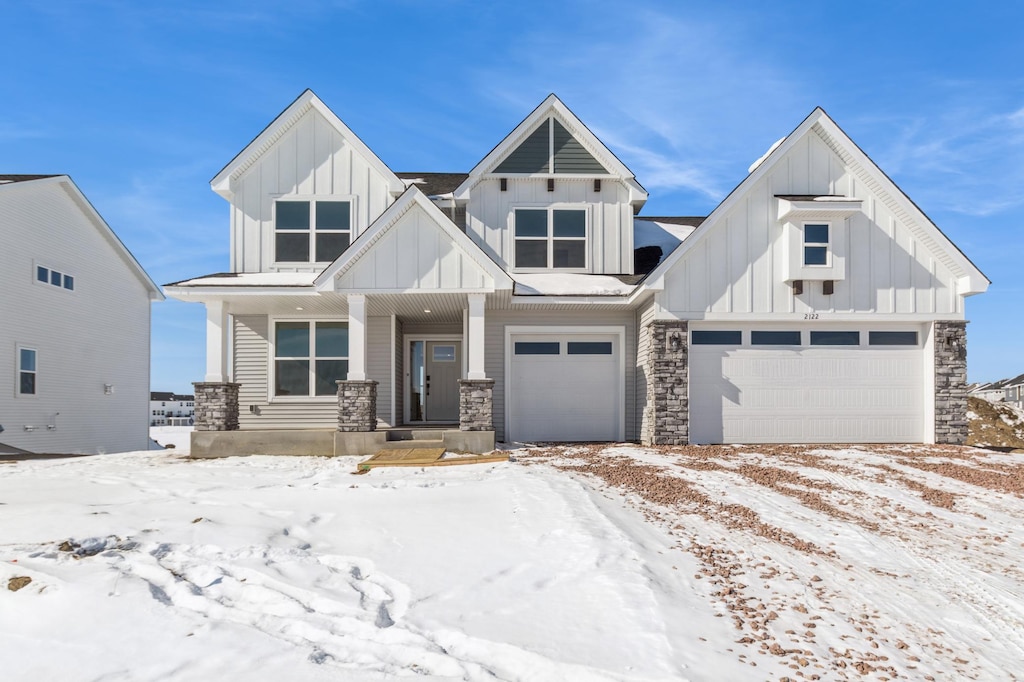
142 103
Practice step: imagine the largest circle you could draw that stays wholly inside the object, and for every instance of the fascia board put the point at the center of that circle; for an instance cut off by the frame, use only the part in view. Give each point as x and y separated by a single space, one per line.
213 293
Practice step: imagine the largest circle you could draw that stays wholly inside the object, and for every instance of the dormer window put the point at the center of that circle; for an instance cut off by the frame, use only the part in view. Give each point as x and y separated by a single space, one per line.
550 238
311 231
816 243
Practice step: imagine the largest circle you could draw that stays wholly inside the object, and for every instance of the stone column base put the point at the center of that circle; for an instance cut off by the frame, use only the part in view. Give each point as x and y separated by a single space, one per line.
216 406
666 419
357 406
950 382
476 404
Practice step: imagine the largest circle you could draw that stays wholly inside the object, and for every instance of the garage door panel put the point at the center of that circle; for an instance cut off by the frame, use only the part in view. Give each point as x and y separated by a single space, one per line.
808 394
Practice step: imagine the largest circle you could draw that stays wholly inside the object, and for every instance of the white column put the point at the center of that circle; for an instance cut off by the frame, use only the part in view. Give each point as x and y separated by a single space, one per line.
475 337
216 341
356 337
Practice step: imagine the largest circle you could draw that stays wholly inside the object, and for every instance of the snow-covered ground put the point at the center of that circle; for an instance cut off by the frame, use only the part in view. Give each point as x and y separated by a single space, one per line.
584 563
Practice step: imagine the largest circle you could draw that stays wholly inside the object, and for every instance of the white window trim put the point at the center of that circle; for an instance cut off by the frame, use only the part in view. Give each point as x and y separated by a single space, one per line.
804 244
312 199
17 371
48 284
550 238
516 330
272 365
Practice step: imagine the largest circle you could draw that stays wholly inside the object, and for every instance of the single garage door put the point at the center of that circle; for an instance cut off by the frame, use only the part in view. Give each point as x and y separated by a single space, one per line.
564 387
849 385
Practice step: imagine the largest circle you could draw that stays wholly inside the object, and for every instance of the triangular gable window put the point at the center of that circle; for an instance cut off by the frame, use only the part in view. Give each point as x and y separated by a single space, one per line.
550 142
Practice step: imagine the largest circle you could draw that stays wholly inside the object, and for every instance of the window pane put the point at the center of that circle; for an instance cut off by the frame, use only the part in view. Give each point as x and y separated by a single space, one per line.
55 278
292 215
570 224
292 248
327 372
443 354
331 340
892 338
760 338
531 254
28 383
716 338
27 360
537 348
69 282
590 348
815 234
332 215
815 255
42 274
835 338
292 340
569 254
329 245
531 223
291 377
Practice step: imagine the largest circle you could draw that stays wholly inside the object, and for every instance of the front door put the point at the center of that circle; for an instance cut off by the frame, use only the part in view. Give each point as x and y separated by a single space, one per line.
434 391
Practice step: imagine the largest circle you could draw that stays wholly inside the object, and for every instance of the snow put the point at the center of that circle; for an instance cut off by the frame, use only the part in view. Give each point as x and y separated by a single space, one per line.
269 568
666 235
570 284
254 279
754 166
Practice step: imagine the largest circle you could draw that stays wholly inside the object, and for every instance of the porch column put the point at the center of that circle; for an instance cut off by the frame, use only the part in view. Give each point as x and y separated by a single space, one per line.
666 418
356 337
950 341
216 342
475 337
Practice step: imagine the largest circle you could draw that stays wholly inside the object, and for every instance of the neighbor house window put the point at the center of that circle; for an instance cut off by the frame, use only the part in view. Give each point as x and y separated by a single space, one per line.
816 243
309 357
311 231
550 238
58 279
26 371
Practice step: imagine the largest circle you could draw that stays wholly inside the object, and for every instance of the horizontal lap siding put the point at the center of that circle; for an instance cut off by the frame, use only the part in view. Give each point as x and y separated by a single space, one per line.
379 360
494 339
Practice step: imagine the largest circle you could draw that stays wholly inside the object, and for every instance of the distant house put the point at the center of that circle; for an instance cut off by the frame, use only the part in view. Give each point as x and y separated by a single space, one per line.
1013 391
525 301
74 324
171 409
993 390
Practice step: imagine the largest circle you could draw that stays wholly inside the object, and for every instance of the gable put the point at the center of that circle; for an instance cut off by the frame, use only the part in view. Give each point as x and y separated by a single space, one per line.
893 259
413 247
550 148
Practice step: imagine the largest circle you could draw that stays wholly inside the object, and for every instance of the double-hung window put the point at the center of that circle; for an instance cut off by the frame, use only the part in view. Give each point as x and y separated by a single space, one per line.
309 357
311 231
550 238
816 243
26 371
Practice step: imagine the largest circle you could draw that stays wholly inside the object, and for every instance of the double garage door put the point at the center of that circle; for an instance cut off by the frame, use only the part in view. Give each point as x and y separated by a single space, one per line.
564 387
800 385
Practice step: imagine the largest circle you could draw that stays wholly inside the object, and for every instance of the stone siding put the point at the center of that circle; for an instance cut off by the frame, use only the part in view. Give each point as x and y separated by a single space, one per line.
951 382
216 406
666 419
476 404
357 406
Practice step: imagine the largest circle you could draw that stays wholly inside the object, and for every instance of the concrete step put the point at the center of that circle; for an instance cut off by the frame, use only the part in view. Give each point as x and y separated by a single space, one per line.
416 434
410 443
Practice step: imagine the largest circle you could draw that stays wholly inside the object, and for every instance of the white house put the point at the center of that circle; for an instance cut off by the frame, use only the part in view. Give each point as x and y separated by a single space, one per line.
816 303
171 409
1013 391
74 336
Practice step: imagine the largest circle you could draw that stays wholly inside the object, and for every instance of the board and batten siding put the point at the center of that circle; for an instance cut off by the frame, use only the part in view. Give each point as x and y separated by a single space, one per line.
310 159
738 265
96 335
415 253
252 366
494 340
609 223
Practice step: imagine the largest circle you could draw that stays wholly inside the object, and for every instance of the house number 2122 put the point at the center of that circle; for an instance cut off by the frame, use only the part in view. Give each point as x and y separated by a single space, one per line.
810 316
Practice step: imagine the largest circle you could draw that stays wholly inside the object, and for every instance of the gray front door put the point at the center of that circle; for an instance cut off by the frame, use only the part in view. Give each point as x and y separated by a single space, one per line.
444 367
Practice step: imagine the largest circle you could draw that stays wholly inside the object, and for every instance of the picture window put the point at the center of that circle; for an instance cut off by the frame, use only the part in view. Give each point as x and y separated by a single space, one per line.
309 357
311 231
550 238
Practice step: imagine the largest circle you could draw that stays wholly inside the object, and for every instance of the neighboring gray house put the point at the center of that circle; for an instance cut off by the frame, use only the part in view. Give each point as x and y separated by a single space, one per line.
1013 391
993 390
816 303
74 324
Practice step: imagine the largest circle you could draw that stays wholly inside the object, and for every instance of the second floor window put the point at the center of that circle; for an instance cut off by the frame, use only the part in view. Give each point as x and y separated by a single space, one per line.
311 231
550 238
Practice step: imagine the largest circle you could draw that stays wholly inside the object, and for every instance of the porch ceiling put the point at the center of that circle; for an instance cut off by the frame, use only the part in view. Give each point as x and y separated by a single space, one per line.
313 305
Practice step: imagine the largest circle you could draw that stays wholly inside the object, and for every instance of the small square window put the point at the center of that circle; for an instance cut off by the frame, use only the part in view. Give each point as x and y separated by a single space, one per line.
42 274
55 278
443 354
69 282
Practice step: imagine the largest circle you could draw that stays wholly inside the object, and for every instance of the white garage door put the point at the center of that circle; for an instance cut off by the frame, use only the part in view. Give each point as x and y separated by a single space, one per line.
564 387
806 385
